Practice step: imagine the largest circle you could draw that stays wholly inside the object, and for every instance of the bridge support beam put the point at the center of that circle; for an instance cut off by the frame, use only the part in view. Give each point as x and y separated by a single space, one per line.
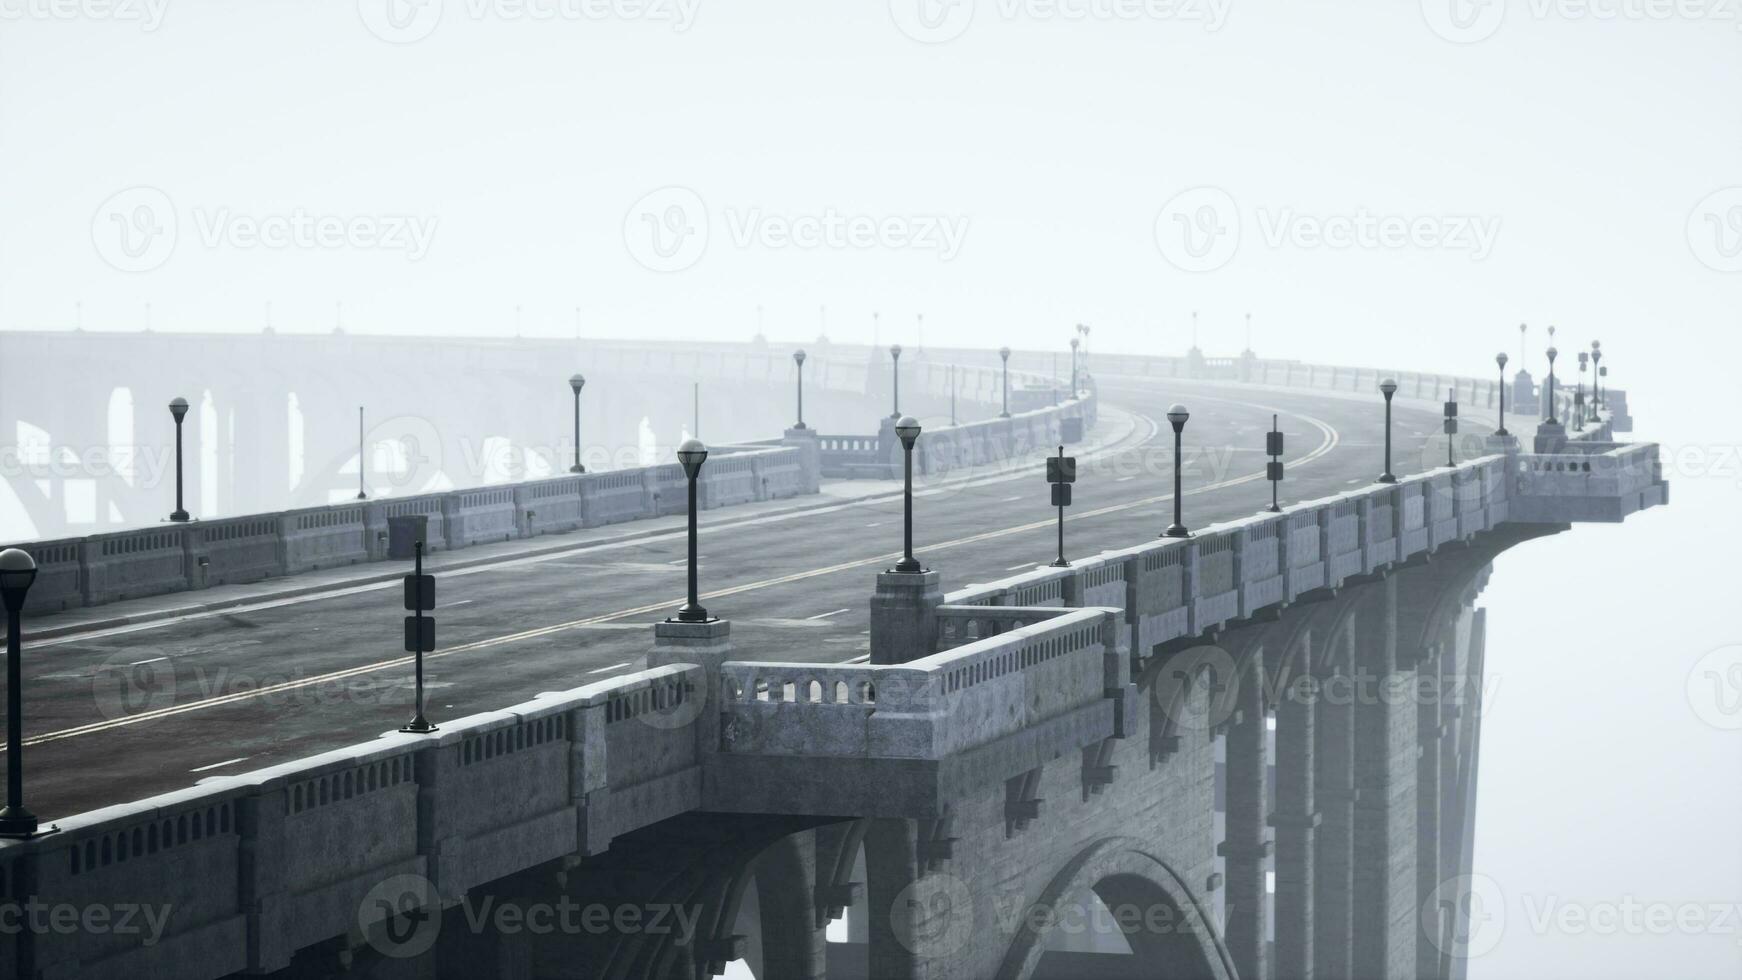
1296 820
1334 841
1246 847
794 946
1385 776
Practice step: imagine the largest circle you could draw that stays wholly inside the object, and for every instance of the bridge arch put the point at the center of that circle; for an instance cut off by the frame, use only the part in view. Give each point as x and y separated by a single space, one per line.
1124 875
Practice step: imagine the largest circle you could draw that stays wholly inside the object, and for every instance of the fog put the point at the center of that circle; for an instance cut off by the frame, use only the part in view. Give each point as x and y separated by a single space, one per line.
1399 184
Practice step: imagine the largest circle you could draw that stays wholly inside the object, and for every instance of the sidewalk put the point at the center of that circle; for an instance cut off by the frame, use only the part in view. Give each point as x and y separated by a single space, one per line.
1114 429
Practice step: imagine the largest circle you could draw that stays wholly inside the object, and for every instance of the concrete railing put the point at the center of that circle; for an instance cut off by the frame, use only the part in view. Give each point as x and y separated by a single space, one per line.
171 557
240 872
928 708
940 450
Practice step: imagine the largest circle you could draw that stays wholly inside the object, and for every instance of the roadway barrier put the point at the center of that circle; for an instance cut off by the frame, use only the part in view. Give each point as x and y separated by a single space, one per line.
234 549
325 537
133 564
550 506
429 506
478 516
727 480
607 498
59 575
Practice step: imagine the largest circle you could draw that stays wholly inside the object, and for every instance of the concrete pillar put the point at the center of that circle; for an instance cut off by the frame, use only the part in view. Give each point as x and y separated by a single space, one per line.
904 622
1296 820
892 868
1429 786
1246 847
1334 843
794 945
1385 775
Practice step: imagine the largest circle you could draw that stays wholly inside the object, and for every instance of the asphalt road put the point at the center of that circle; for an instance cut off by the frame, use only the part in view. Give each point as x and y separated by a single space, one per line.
121 714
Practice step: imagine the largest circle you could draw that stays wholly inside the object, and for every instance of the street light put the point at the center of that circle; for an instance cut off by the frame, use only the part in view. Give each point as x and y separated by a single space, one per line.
1004 353
178 408
1596 373
1074 343
1177 415
17 572
907 430
1500 359
1552 354
362 457
576 383
1579 394
1388 387
798 359
692 454
895 373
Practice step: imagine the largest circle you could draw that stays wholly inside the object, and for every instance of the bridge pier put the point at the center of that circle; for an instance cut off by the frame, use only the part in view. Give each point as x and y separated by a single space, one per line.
1385 776
1335 794
1296 819
1246 846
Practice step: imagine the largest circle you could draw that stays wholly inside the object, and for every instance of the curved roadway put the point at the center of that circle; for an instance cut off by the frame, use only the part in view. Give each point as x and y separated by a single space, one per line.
120 714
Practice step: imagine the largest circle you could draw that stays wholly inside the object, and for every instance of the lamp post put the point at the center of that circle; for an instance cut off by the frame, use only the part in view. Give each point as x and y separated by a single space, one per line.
1451 427
1500 359
1579 393
1177 416
362 457
895 375
576 383
17 572
1552 354
692 454
1074 343
179 408
907 430
798 359
1596 373
1523 342
1004 354
952 395
1388 388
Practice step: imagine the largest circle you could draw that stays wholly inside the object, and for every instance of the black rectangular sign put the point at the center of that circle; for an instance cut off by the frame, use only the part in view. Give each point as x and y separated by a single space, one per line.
419 593
413 635
1061 469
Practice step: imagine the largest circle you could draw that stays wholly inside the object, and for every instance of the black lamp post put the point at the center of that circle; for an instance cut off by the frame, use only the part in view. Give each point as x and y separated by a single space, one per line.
1596 373
895 375
17 572
1004 354
1388 388
907 430
1074 343
1500 359
178 408
798 359
1579 393
952 395
692 454
576 383
1451 426
1552 354
1177 416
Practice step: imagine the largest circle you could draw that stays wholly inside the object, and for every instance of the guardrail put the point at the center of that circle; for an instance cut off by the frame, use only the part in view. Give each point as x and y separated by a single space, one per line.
172 557
940 450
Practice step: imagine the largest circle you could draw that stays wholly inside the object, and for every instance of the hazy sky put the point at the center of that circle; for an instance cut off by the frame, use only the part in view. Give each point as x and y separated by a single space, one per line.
1400 183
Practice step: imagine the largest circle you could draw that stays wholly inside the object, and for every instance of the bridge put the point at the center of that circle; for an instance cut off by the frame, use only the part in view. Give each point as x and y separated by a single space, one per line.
1248 752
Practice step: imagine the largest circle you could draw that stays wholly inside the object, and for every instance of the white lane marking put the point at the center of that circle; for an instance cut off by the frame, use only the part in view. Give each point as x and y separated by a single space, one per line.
153 660
1332 438
861 658
875 524
607 670
220 765
1011 500
828 614
451 605
1018 568
1124 478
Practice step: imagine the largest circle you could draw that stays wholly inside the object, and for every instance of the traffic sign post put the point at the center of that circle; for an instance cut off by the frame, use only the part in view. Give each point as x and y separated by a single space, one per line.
1061 472
1451 426
419 631
1273 469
